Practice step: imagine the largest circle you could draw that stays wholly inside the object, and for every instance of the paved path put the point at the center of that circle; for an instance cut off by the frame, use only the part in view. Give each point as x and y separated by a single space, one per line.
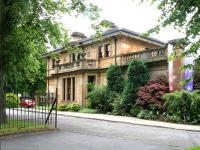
131 120
88 134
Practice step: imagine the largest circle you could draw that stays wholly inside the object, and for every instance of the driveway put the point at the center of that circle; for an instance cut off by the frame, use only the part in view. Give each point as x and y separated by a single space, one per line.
87 134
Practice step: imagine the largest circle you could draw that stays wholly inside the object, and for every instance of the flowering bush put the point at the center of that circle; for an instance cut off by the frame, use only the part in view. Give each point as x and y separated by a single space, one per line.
150 95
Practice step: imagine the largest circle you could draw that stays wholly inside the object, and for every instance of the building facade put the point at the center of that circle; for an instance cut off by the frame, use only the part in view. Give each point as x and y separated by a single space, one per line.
120 47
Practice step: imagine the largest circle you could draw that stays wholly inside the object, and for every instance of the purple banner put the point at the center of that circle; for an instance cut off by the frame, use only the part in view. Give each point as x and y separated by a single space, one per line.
188 75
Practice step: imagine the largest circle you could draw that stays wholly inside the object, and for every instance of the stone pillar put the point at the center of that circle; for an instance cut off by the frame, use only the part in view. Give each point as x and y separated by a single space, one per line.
175 73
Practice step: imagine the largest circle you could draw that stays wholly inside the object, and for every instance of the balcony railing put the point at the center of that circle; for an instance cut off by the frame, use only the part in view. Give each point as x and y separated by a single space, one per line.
78 65
150 55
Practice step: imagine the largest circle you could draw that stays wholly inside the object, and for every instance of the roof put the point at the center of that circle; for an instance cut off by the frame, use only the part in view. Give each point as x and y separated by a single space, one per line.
112 33
123 31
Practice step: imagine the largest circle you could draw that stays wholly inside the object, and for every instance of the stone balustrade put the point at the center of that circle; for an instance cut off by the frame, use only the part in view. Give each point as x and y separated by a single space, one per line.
78 65
150 55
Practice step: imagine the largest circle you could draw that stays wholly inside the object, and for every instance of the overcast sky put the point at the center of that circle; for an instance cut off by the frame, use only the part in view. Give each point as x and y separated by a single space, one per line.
124 13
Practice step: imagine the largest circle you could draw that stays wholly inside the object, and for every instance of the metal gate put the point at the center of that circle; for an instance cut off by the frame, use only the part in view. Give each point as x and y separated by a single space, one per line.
25 110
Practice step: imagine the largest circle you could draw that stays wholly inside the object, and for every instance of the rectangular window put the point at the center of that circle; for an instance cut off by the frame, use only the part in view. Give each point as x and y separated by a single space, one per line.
73 88
91 82
53 63
68 89
73 57
107 50
64 90
91 79
78 56
100 54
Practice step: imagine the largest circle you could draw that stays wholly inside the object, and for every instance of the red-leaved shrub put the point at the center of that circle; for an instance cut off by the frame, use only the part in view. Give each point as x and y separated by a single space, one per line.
150 95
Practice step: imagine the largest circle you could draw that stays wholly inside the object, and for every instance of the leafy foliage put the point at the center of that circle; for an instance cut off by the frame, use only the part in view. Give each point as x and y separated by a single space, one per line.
63 107
151 94
117 106
100 27
195 105
73 107
178 103
183 105
138 75
174 118
90 87
184 16
12 101
114 79
98 99
27 30
146 114
135 110
69 107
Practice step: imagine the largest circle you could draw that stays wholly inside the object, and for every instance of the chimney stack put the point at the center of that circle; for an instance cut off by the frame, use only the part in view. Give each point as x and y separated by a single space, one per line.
75 36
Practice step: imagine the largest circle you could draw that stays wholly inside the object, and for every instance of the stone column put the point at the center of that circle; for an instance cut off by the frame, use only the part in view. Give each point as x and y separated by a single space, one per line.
175 73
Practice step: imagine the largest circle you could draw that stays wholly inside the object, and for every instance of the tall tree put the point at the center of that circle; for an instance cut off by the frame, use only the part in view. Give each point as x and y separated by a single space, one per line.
183 15
138 75
26 28
115 80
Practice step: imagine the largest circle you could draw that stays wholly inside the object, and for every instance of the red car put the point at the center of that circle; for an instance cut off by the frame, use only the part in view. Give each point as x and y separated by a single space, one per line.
27 102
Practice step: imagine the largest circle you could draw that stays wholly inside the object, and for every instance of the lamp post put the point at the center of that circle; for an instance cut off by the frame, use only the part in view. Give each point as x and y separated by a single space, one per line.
57 66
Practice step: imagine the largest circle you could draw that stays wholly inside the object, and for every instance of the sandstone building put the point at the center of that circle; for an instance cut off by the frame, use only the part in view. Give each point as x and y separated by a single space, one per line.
119 46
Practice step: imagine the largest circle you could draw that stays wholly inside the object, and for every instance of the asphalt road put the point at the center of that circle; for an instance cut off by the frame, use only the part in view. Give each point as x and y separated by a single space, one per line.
86 134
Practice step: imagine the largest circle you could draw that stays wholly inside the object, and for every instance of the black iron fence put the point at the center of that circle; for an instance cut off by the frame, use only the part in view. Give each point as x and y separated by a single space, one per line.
25 110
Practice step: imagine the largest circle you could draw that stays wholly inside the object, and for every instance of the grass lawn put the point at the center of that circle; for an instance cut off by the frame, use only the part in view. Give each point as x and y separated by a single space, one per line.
87 110
17 127
194 148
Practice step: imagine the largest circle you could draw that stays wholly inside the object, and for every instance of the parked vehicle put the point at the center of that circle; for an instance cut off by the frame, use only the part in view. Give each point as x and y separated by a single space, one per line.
27 102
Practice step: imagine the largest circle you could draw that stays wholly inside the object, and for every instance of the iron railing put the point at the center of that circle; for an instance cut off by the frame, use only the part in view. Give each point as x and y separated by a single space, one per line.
24 110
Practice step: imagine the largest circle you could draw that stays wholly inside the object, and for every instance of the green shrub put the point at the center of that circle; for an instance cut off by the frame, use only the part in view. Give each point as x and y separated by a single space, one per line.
117 106
138 75
174 118
12 101
90 87
195 106
115 81
99 99
183 105
135 110
63 107
73 107
178 104
146 114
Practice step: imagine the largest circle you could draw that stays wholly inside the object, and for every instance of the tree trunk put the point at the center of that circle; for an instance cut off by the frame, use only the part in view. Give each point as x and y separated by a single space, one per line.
3 118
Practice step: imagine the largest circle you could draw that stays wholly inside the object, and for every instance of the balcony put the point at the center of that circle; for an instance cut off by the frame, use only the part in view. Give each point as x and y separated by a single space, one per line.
150 55
78 65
